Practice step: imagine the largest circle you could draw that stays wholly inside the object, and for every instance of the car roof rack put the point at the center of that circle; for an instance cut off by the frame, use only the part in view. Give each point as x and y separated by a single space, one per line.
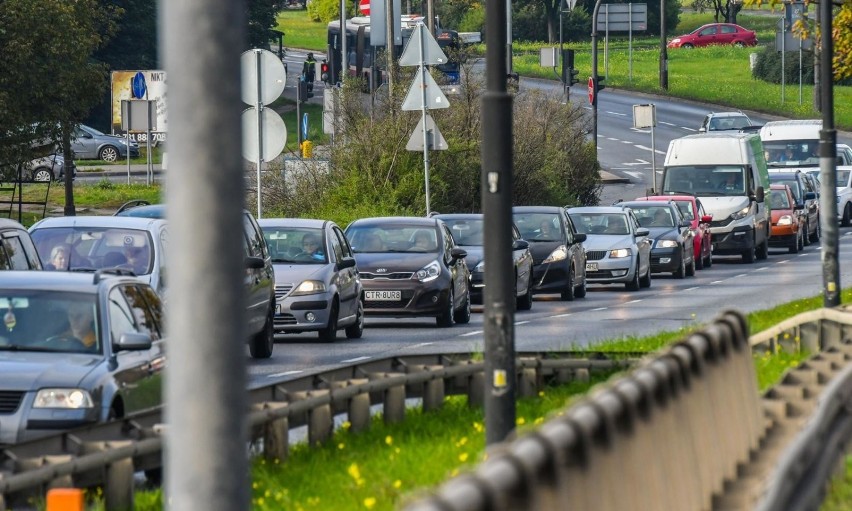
119 272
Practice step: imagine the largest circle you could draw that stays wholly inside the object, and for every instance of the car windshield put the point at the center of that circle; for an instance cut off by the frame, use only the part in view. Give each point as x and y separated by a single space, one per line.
295 245
792 183
791 153
94 248
46 320
600 223
468 232
393 238
539 227
685 208
842 177
705 180
729 123
653 216
778 199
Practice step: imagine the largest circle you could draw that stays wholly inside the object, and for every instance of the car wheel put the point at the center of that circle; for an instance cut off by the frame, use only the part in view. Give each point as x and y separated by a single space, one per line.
688 46
446 318
524 302
739 44
42 174
846 220
646 280
260 345
748 255
796 242
329 333
681 269
568 292
763 249
580 291
633 285
690 270
817 232
699 263
356 329
801 239
806 237
462 316
709 261
109 153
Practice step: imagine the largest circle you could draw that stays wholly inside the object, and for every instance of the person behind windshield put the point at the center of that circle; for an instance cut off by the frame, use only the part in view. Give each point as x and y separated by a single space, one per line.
731 183
423 241
58 258
137 259
546 230
311 247
81 325
661 219
788 155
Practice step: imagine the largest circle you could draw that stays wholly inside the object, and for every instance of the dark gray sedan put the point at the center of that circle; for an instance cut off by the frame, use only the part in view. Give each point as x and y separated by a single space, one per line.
76 348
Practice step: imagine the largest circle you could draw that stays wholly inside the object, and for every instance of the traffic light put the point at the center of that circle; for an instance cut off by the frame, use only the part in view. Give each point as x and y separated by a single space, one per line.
600 85
325 74
572 76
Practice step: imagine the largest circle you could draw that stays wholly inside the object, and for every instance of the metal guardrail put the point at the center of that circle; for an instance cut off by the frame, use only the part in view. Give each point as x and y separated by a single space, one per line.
109 454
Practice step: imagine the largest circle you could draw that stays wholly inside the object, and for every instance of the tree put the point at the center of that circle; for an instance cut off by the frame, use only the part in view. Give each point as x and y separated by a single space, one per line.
261 20
724 11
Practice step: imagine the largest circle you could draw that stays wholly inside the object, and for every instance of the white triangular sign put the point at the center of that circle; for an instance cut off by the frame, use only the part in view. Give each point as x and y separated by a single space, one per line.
432 53
435 97
436 140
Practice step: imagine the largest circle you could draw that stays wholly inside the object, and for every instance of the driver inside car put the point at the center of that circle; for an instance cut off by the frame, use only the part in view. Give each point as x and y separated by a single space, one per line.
311 247
81 328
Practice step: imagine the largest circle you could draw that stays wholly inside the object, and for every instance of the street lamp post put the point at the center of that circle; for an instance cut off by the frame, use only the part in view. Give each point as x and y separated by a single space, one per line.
664 56
566 85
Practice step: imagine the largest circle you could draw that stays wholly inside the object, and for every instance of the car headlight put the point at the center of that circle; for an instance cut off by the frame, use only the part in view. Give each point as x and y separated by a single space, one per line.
736 215
666 243
559 254
480 268
785 220
309 287
676 40
122 141
73 399
429 272
619 253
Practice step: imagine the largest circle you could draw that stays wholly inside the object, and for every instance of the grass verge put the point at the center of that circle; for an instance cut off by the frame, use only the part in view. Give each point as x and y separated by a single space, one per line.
300 31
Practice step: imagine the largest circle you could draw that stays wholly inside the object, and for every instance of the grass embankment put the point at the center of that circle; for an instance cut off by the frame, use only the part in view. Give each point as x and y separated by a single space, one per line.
142 159
380 468
300 31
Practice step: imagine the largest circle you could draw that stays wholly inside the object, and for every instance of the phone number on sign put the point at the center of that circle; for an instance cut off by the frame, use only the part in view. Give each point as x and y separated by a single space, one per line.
143 137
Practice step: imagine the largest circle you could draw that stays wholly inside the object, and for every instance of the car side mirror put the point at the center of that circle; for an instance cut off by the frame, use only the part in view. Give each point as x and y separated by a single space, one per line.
799 207
346 262
686 223
759 194
580 237
458 253
254 263
133 341
642 231
707 219
702 129
520 245
810 196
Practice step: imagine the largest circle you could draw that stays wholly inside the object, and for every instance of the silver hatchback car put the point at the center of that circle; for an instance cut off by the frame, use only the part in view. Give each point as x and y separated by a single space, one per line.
317 287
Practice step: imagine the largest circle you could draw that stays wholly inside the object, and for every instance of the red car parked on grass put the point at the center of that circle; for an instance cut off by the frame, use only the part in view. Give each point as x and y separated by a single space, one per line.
692 210
716 33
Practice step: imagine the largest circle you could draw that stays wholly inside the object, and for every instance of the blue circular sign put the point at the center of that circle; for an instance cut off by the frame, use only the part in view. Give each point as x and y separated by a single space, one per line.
137 86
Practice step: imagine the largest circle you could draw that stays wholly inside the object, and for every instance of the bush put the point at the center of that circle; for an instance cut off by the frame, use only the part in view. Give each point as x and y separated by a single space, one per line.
768 66
328 10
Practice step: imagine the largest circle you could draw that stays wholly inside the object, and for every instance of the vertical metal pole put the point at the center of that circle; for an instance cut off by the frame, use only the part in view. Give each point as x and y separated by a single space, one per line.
828 165
149 161
259 109
630 42
127 134
497 164
420 33
389 41
565 79
299 112
595 76
508 37
606 41
206 465
783 56
653 160
664 56
800 71
344 51
430 17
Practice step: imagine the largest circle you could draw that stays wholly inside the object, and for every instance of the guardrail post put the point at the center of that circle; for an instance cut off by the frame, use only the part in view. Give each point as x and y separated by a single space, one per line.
582 375
357 407
393 401
476 389
275 433
26 464
320 425
528 384
118 481
433 390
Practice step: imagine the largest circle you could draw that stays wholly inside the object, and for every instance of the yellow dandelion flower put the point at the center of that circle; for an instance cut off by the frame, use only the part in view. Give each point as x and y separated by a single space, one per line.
346 425
540 393
397 484
389 440
477 427
354 472
520 421
341 446
267 494
369 502
454 473
255 485
462 441
463 457
260 501
396 450
538 420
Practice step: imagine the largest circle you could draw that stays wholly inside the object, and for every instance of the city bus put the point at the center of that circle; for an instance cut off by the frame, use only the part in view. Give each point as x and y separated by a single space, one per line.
362 62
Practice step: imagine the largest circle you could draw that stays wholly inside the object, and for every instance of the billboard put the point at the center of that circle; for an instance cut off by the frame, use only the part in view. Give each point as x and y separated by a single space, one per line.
129 85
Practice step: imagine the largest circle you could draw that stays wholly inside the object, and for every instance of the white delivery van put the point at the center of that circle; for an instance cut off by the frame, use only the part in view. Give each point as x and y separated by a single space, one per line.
726 170
792 145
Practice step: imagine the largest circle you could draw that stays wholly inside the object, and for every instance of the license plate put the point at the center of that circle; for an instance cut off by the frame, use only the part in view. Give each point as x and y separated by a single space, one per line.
383 296
591 266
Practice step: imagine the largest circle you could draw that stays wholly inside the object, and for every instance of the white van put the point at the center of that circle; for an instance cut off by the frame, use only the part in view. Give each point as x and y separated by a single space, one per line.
726 170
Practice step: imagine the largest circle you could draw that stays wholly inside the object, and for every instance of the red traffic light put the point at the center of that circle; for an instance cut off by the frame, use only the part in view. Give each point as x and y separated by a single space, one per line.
324 72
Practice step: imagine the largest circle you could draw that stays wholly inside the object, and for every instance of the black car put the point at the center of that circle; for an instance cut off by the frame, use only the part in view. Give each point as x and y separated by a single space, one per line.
411 266
559 259
76 349
467 229
805 195
672 249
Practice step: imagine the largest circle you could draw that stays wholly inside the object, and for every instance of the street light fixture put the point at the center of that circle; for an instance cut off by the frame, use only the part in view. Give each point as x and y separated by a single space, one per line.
566 80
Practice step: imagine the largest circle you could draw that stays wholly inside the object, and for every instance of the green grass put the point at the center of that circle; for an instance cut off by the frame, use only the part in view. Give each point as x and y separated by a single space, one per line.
156 155
300 31
839 494
315 133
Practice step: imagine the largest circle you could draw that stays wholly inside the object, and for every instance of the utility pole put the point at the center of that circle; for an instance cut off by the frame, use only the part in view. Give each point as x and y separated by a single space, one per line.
389 14
664 56
498 318
344 53
595 76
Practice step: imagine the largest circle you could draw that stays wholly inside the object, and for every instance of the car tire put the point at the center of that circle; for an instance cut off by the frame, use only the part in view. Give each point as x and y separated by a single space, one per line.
681 269
646 280
817 232
445 320
260 345
568 292
801 240
108 153
687 46
524 302
329 332
42 175
739 44
580 291
807 236
708 263
462 316
762 251
690 270
846 219
794 248
748 255
356 329
634 284
699 263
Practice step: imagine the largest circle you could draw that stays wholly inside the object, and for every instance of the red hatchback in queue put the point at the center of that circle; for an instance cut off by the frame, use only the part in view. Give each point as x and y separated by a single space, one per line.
693 211
715 33
788 219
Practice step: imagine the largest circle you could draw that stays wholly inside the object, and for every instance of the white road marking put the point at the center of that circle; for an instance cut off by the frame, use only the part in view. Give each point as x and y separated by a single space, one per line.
356 359
784 261
691 288
667 123
717 281
521 323
638 130
562 315
639 161
626 142
617 113
741 275
637 175
613 139
634 301
648 149
803 255
420 345
285 373
687 129
763 268
476 332
599 309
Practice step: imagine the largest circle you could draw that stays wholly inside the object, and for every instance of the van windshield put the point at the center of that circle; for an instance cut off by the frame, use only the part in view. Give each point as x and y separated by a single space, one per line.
705 180
791 153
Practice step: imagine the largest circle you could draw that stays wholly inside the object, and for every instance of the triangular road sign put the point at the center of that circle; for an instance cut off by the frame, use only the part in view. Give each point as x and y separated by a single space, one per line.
435 97
436 140
432 53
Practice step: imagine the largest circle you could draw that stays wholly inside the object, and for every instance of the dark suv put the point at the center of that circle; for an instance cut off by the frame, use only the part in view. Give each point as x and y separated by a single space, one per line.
805 196
259 277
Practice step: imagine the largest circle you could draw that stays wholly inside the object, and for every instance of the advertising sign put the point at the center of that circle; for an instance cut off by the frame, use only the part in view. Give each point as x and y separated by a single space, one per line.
149 85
